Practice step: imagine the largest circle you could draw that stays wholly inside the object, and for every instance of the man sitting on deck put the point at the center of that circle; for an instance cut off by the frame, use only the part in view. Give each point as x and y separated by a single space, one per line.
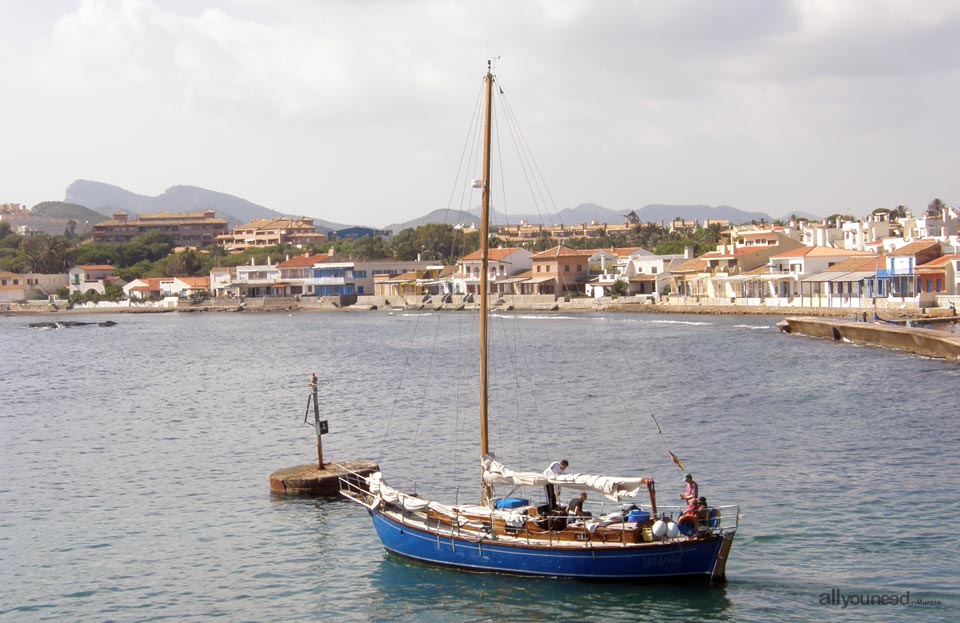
575 507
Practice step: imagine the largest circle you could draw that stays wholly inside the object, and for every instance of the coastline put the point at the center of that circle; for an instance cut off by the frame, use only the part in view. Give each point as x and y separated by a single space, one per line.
573 306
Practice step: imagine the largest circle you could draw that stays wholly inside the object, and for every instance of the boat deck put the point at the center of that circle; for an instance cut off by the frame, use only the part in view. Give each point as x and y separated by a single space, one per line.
528 527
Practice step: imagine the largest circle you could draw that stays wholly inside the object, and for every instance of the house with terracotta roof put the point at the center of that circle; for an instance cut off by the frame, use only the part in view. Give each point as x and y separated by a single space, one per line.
504 265
416 285
939 275
899 271
724 275
197 229
851 283
779 282
643 272
263 232
558 271
91 278
299 274
159 287
145 288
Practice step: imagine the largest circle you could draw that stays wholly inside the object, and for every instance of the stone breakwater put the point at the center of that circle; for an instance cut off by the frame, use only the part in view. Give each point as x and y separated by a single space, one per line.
926 342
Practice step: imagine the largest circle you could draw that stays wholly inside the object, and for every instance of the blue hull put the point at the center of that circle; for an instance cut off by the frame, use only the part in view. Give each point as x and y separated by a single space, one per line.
661 561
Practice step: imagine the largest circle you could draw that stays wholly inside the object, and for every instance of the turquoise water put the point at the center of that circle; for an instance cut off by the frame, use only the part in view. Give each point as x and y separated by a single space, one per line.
136 462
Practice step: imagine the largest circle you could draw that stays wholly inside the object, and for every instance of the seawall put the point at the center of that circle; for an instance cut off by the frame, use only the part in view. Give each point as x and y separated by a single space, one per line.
926 342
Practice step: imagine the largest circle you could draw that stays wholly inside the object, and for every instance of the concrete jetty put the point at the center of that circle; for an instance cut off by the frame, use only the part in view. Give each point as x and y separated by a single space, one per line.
322 477
311 480
926 342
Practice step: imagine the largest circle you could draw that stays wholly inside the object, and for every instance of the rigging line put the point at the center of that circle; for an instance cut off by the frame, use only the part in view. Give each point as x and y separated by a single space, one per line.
502 187
469 140
521 157
426 386
540 180
619 345
524 352
459 387
396 398
513 356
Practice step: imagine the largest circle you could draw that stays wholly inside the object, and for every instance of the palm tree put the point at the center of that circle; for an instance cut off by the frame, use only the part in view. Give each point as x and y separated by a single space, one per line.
56 254
31 255
936 208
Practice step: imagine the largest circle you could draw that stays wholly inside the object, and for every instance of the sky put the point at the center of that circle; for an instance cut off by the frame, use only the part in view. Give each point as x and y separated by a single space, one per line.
356 111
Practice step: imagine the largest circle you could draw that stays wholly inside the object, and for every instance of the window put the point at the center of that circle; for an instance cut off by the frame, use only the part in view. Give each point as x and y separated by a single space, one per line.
566 268
538 268
360 274
579 267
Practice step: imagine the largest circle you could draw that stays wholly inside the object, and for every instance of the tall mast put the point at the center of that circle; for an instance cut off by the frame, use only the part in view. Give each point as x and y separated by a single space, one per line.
484 260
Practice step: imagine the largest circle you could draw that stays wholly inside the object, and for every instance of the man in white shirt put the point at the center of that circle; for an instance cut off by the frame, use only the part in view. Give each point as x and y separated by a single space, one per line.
555 469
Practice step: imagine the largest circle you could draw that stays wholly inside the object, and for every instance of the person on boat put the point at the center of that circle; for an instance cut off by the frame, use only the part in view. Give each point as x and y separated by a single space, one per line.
575 507
691 493
556 467
553 492
703 511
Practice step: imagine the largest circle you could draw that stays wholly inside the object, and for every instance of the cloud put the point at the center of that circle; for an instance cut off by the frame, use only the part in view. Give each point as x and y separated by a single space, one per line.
624 102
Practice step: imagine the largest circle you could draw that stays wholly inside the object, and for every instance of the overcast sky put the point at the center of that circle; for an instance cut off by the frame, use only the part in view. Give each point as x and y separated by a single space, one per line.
356 111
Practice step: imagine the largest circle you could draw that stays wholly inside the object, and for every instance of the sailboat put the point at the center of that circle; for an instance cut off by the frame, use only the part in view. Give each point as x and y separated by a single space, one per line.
638 540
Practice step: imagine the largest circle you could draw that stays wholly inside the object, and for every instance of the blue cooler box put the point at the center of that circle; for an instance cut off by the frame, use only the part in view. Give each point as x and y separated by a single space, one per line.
508 503
638 516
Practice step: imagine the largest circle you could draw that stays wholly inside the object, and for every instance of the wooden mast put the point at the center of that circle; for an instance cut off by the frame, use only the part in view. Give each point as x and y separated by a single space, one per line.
484 261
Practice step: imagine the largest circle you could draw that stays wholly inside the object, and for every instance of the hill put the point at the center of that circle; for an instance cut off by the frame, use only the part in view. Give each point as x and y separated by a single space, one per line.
67 211
442 216
590 212
654 213
109 199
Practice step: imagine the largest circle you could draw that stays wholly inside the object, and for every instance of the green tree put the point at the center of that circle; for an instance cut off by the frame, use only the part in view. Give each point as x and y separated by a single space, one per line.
369 248
437 242
138 270
98 253
112 292
619 288
183 264
152 246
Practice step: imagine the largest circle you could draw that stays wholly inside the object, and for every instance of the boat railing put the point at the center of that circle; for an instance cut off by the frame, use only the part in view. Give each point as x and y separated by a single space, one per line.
353 486
719 519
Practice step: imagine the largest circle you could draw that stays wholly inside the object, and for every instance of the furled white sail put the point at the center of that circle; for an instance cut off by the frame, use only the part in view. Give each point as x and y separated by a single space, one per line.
614 488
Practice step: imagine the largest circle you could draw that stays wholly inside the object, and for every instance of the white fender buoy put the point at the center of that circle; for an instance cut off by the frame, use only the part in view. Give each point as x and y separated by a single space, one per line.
659 528
672 530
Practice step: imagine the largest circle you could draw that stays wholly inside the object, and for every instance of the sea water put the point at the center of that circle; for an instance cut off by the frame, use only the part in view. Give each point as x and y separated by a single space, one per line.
135 463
